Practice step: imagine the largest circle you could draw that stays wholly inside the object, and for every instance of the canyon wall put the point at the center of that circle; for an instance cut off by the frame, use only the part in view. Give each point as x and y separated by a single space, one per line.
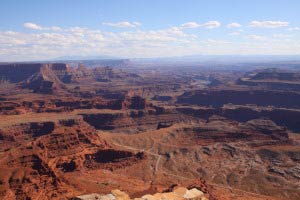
217 98
15 73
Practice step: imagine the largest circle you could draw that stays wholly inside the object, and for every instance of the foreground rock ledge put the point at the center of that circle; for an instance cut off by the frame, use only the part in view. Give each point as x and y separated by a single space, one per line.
179 193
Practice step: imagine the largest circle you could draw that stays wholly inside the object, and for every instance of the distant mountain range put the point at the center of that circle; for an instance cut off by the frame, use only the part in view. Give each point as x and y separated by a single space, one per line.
238 62
189 58
222 58
74 57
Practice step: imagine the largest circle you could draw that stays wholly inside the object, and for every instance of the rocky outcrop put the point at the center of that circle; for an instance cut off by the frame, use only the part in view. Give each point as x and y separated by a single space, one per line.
272 79
219 129
28 130
36 167
98 74
218 98
8 107
29 177
273 85
134 102
179 193
15 73
56 105
102 121
37 73
67 166
133 121
162 98
283 117
48 77
39 85
275 74
112 159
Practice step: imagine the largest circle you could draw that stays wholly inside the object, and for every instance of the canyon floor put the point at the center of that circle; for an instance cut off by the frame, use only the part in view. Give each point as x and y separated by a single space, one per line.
70 132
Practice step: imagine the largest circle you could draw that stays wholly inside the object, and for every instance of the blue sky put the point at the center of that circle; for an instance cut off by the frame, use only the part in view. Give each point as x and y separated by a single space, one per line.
42 29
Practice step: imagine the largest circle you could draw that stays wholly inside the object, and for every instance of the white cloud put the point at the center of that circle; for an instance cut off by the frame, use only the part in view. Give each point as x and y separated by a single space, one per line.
47 43
79 40
123 24
282 36
137 23
234 25
211 24
235 33
34 26
268 24
55 28
272 40
190 25
256 37
294 29
215 42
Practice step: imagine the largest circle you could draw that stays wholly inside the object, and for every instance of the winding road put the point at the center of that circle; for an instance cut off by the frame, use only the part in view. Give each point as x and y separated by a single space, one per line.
183 177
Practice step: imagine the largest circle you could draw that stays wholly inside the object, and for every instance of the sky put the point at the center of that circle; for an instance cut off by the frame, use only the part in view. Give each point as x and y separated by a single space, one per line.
46 29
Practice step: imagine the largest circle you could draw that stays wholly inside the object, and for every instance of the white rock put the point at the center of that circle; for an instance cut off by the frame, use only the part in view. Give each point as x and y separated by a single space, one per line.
193 193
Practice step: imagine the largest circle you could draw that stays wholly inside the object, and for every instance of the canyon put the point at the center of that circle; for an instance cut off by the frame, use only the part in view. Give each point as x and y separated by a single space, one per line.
118 132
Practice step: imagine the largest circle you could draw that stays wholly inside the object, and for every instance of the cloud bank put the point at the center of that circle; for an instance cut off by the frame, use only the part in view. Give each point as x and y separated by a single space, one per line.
123 24
269 24
46 42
